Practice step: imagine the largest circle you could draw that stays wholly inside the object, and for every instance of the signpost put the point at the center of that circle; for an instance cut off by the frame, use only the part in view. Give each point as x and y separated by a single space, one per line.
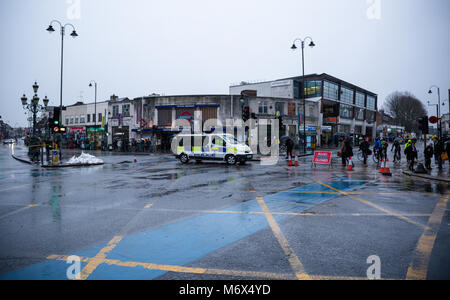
322 158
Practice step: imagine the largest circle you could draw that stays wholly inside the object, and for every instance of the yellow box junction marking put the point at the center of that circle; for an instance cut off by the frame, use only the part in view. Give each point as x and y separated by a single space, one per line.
400 216
99 258
296 265
419 266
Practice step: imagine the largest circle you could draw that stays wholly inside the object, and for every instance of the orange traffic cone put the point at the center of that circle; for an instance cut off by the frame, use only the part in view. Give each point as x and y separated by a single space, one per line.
382 166
386 171
290 164
135 160
296 161
350 164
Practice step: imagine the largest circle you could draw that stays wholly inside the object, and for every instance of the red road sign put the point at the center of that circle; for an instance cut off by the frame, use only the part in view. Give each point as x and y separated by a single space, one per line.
322 158
433 120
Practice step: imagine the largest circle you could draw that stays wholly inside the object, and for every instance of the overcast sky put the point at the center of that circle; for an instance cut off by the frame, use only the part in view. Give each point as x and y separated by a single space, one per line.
138 47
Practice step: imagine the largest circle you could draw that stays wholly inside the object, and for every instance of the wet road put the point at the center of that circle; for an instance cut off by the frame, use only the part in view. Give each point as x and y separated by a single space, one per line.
158 219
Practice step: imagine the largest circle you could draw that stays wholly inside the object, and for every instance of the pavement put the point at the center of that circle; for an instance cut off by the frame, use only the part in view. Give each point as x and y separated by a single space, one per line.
159 219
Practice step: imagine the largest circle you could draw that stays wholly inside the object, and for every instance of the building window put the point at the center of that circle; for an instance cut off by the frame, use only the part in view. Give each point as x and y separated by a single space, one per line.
371 102
71 119
263 107
76 119
279 108
330 90
346 111
126 110
347 95
313 89
370 116
88 118
115 111
360 99
100 117
82 119
67 120
291 109
93 118
359 114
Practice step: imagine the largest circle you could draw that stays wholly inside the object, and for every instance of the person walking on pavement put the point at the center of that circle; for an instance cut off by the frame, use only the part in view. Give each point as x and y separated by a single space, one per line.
397 153
411 154
438 150
365 148
289 147
428 153
346 150
384 146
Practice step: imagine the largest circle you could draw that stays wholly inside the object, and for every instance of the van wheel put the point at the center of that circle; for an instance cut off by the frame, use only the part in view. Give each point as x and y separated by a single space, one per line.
231 160
184 158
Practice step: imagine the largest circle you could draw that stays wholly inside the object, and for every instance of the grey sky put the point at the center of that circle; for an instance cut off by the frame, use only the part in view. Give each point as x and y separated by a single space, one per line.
138 47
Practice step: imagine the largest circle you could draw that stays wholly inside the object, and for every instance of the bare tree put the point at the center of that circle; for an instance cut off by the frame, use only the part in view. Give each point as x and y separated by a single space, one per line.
405 109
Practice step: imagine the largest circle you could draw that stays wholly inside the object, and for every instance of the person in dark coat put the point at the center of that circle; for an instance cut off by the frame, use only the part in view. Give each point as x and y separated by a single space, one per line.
346 150
438 150
365 147
289 147
429 152
411 154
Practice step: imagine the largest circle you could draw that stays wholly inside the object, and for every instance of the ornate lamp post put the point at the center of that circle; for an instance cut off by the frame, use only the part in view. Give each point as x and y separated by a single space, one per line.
294 47
34 107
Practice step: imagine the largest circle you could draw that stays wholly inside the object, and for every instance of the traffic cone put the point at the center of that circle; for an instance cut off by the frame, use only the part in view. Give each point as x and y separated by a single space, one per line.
382 168
386 171
135 160
296 161
290 164
350 164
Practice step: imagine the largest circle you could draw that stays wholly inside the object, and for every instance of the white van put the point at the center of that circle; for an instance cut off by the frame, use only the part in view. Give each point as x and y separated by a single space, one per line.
219 147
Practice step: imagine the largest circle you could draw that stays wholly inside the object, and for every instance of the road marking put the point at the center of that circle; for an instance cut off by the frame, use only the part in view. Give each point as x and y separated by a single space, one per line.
400 216
418 269
207 271
296 265
18 210
99 258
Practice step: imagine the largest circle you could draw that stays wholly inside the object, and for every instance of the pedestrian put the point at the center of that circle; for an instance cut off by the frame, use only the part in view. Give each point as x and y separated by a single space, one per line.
411 154
289 147
346 150
438 150
342 152
397 153
365 148
384 147
447 148
428 153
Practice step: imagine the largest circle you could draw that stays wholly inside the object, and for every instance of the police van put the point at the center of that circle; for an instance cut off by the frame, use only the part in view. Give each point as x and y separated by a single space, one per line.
219 147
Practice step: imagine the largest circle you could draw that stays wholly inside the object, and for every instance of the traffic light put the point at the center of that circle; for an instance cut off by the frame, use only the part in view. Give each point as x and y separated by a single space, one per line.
423 125
53 123
245 114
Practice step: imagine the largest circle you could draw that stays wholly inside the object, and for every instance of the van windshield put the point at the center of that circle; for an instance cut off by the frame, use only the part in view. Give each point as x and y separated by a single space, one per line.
231 140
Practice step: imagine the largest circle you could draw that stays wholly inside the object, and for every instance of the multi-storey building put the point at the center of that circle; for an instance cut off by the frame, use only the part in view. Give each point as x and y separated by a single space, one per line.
342 107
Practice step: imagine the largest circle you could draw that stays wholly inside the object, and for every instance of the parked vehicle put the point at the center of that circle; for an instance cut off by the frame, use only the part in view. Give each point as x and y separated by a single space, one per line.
218 147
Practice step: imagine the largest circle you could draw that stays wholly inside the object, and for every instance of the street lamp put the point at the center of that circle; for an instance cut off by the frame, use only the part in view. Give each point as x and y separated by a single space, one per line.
439 108
34 107
74 34
294 47
95 112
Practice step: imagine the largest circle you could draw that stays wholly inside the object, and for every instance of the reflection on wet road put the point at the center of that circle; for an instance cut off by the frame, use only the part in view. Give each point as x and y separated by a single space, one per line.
158 219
